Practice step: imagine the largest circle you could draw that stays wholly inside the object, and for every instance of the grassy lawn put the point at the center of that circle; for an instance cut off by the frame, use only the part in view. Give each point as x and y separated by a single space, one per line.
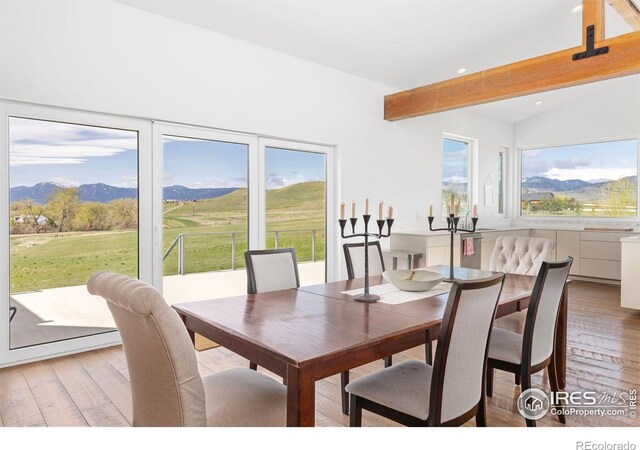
67 259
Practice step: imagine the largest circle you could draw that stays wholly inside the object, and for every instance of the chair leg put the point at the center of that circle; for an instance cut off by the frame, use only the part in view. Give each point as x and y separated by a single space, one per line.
526 384
388 361
490 371
344 380
428 348
481 416
517 379
253 366
355 418
553 384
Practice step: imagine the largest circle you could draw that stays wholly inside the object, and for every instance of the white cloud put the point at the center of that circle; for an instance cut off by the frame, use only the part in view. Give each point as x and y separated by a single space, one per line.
591 174
42 154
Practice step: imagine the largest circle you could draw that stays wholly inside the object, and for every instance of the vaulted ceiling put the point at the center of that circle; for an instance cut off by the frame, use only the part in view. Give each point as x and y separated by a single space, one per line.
401 43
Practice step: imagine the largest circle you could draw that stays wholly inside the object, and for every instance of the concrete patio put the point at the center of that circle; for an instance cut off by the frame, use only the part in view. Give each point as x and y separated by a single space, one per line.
70 312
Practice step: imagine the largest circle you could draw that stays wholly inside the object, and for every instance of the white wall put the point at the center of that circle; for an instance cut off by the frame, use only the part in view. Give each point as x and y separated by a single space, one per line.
107 57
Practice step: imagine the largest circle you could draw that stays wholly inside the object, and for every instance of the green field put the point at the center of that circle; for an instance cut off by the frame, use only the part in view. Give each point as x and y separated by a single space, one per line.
42 261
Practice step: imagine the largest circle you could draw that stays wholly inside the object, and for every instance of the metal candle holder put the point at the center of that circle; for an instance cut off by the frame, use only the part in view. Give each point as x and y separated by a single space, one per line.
366 296
452 227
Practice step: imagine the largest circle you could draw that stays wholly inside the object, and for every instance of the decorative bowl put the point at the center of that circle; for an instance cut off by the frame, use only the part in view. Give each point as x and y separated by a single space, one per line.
413 280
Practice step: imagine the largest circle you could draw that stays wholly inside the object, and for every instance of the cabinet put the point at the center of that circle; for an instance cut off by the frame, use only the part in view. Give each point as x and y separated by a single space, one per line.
568 244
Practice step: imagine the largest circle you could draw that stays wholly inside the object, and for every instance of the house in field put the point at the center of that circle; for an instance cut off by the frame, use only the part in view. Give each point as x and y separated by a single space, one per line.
535 198
40 220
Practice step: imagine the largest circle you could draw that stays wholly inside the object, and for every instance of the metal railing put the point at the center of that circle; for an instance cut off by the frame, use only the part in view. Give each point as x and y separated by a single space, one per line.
179 242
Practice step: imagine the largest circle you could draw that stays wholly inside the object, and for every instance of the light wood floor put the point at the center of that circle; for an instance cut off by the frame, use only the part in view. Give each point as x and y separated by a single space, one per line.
92 389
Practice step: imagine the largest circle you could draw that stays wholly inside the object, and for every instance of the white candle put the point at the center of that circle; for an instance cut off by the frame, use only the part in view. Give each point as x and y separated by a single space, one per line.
475 211
342 208
366 206
380 208
457 210
353 209
390 212
430 210
453 205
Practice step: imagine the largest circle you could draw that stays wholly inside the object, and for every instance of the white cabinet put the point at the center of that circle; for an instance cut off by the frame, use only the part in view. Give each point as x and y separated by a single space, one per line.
600 254
568 244
630 286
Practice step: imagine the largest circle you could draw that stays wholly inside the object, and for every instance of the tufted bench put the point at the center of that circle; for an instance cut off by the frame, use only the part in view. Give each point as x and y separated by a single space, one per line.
522 256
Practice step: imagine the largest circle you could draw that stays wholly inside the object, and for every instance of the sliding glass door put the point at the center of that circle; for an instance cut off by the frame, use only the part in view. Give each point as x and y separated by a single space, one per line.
73 196
295 203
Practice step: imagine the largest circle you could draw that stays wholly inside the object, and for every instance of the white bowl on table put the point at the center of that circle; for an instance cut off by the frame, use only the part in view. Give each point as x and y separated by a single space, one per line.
413 280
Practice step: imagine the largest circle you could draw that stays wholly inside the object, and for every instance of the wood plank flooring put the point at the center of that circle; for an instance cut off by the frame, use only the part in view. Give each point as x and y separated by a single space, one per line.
92 389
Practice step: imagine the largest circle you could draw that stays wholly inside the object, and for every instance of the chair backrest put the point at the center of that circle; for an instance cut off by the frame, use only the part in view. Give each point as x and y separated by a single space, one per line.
460 365
166 387
354 256
542 313
271 270
520 255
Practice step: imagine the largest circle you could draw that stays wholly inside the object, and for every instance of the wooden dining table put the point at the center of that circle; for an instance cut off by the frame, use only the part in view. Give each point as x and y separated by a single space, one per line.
313 332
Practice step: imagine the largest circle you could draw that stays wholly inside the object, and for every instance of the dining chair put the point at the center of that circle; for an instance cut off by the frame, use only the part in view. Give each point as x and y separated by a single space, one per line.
271 270
531 352
523 256
354 257
166 387
450 392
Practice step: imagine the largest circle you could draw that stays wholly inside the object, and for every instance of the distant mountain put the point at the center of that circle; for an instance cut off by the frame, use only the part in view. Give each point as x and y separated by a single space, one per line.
103 193
538 184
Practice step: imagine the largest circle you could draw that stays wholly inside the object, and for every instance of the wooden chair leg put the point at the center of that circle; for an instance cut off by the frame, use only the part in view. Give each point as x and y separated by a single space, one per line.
388 361
355 418
526 384
481 416
517 379
490 371
344 380
428 348
553 384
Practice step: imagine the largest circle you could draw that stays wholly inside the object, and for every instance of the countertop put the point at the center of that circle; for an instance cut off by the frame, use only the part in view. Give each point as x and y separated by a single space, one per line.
427 232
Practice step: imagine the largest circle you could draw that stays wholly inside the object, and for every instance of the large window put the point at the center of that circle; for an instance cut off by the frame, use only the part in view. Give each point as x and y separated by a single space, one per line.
455 174
586 180
73 210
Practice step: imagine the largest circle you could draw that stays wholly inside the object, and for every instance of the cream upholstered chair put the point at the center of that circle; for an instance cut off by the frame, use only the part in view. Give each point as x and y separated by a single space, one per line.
450 392
271 270
166 388
354 256
531 352
523 256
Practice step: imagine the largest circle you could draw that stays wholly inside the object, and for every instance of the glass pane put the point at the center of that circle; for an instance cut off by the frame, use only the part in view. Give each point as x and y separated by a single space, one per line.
74 211
205 218
587 180
295 208
455 175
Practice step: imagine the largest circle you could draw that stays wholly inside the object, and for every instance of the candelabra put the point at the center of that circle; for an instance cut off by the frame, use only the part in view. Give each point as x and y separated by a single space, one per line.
366 296
452 227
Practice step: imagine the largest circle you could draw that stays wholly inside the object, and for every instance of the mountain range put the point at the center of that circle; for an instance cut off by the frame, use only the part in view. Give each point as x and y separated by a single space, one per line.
103 193
543 184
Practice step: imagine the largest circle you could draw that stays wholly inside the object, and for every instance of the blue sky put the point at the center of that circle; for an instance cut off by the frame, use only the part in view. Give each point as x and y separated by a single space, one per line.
68 154
42 151
455 161
587 162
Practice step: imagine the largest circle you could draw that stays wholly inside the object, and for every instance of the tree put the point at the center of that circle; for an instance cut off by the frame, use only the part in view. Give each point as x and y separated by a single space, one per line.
92 217
618 195
62 206
124 213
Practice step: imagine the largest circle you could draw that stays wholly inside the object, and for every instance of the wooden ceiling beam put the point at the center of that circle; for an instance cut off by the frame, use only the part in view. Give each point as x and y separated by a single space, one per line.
543 73
628 11
593 14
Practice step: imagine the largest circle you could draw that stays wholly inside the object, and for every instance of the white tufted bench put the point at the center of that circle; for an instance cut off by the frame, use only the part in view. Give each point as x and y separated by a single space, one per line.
522 256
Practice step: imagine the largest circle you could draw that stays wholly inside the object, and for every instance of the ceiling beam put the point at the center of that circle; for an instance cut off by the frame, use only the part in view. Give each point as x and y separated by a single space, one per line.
593 14
628 11
543 73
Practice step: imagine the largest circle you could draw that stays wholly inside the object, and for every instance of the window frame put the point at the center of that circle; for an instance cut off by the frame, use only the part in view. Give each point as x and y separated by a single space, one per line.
472 182
503 170
517 184
9 108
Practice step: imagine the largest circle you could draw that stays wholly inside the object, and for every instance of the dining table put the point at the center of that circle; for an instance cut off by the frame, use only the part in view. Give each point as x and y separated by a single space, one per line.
313 332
